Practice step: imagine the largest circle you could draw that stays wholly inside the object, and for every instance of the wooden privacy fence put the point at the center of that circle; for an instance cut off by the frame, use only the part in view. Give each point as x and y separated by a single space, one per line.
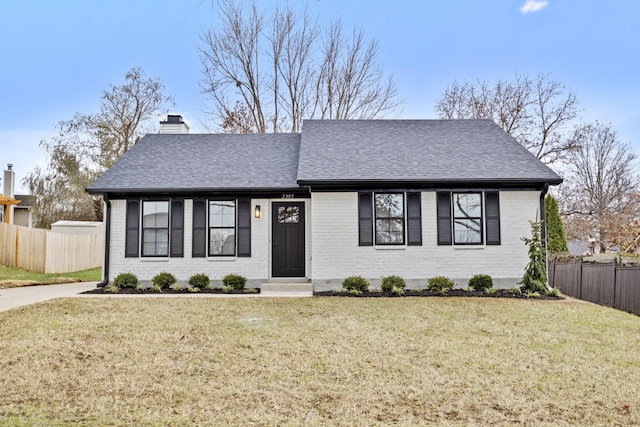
605 284
46 252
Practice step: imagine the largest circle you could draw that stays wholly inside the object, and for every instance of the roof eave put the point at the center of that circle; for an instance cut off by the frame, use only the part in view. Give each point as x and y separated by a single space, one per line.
194 190
513 182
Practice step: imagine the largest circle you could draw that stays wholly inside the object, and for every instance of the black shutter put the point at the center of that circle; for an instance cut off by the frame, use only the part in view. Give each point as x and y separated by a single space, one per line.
177 228
365 219
414 220
132 236
492 207
244 227
199 238
444 218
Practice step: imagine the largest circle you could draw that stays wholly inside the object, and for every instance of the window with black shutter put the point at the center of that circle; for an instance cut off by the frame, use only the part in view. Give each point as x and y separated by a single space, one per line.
414 220
199 238
444 218
177 228
387 218
463 221
492 207
132 235
244 227
365 219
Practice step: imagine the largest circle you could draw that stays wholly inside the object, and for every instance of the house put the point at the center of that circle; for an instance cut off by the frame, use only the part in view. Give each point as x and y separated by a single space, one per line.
416 198
22 212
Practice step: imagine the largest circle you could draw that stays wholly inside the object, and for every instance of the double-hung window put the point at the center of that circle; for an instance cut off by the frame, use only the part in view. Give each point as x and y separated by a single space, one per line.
468 218
222 228
389 223
387 218
155 228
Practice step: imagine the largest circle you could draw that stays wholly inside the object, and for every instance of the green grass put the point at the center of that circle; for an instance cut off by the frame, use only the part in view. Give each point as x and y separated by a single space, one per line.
13 277
323 361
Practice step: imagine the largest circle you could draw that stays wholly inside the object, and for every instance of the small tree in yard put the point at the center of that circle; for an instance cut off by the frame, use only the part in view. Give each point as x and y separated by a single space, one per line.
535 273
556 236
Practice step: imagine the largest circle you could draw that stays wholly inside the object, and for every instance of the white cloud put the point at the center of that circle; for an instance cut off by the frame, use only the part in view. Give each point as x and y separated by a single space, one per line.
533 5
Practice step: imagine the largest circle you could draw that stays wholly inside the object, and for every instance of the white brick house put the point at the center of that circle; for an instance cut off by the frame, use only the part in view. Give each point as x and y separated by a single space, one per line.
416 198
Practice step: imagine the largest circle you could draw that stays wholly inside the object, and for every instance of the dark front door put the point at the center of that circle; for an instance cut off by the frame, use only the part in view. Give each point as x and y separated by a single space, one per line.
288 240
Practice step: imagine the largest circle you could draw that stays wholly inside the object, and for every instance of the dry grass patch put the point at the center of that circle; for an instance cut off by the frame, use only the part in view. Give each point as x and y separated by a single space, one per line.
14 277
322 361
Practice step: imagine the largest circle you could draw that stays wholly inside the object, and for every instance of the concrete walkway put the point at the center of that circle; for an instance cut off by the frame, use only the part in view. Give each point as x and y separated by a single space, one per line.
18 297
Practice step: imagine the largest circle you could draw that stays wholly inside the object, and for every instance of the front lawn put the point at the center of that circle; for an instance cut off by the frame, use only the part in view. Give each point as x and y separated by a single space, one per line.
319 361
11 277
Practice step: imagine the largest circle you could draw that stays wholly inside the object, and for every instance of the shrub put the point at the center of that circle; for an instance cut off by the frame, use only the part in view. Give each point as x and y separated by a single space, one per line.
199 281
126 280
234 281
440 284
156 288
397 291
355 283
112 289
481 282
390 282
534 279
164 279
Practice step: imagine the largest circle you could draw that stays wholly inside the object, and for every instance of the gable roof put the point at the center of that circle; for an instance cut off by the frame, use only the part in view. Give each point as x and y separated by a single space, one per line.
330 153
201 162
415 151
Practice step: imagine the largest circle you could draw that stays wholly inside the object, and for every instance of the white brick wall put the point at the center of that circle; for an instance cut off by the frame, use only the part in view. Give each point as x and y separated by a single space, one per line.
255 268
336 253
332 246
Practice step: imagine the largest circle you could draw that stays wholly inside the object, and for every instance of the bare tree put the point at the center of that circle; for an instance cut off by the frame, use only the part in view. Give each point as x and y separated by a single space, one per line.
537 112
88 144
283 68
601 190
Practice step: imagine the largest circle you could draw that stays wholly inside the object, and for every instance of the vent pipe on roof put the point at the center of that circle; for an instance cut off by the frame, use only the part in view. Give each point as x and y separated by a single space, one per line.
174 124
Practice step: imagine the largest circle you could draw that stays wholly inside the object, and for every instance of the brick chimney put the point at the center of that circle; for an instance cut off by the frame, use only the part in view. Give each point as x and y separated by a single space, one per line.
174 124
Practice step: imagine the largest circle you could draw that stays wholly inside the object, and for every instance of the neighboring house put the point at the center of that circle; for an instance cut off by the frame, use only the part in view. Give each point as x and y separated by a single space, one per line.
416 198
22 212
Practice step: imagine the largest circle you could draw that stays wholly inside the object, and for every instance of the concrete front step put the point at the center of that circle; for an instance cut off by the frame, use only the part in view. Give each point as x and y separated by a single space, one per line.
272 288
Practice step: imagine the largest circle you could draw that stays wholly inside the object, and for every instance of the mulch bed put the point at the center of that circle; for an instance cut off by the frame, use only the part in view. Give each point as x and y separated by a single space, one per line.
499 293
132 291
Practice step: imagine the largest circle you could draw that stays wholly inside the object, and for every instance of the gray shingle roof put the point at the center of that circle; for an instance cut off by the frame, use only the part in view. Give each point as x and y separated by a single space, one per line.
327 152
192 162
428 151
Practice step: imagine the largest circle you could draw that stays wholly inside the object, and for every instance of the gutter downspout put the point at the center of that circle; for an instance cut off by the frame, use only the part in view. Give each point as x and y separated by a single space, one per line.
107 238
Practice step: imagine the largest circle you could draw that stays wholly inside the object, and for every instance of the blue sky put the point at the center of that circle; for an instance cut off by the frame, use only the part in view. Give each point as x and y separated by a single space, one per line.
59 55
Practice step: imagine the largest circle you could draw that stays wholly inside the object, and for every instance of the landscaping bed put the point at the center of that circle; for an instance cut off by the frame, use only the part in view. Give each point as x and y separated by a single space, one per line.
186 290
497 293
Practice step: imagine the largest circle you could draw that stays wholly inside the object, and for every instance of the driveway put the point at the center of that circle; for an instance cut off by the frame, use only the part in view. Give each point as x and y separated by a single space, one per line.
18 297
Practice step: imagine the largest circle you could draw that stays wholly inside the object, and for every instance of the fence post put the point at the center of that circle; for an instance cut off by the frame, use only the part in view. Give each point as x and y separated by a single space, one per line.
615 282
580 280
